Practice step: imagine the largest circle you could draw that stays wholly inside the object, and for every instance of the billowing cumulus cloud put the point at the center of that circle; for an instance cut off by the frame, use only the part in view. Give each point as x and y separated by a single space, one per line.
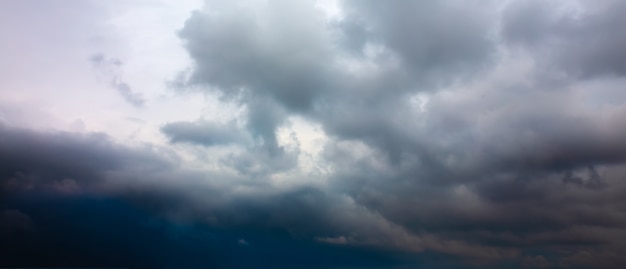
402 134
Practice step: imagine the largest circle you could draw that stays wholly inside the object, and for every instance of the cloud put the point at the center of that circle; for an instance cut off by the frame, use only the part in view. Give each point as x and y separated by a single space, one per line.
451 135
109 67
582 39
130 96
333 240
68 162
516 112
203 133
436 40
144 177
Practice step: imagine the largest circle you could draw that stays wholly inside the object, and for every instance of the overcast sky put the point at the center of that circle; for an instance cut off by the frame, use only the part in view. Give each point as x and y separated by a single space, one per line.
313 134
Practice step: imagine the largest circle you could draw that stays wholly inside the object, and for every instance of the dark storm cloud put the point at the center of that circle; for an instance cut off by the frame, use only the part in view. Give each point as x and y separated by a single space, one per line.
67 161
97 232
110 68
500 175
517 154
43 225
35 181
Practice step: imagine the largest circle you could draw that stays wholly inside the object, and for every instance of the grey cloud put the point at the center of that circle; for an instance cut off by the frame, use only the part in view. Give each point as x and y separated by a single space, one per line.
258 60
260 158
592 180
587 43
204 133
258 162
264 117
505 161
433 39
519 115
273 66
255 53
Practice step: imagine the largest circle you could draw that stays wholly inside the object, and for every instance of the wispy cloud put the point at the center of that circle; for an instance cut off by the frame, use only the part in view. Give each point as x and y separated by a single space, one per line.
110 68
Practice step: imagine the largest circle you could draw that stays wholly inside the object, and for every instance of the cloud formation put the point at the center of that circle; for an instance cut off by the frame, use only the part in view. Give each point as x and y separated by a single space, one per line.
515 108
399 135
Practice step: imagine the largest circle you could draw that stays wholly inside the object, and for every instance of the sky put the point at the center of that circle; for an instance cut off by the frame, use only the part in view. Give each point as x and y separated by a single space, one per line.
313 134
